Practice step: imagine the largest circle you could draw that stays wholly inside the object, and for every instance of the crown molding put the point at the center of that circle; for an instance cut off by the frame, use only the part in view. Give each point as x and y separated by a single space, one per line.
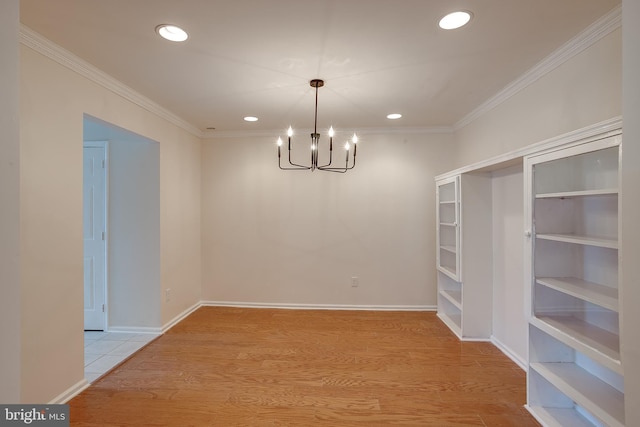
406 130
46 47
592 34
364 131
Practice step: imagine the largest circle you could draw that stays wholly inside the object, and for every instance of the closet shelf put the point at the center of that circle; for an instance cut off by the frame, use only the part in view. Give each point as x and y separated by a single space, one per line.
449 271
454 297
583 193
596 396
581 240
447 248
604 296
596 343
559 417
453 321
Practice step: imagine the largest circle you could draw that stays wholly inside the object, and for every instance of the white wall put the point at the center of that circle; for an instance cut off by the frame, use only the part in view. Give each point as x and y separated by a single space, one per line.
53 100
630 267
509 311
9 205
291 237
180 221
134 234
584 90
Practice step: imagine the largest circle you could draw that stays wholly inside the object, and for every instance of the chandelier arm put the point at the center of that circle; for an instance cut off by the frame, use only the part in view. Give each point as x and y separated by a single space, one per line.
341 170
337 170
354 162
297 168
328 164
355 148
294 169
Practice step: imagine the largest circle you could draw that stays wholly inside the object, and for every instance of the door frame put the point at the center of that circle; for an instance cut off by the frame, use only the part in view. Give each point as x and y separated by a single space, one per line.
105 146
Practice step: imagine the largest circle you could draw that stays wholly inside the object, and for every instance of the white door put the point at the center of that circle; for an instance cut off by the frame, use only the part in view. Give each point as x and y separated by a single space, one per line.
94 226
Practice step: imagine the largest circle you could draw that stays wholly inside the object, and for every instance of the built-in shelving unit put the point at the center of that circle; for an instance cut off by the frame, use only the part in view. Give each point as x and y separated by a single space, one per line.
448 253
464 285
448 233
575 373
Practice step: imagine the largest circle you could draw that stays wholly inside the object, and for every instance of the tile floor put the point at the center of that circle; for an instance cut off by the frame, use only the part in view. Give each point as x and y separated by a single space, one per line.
104 350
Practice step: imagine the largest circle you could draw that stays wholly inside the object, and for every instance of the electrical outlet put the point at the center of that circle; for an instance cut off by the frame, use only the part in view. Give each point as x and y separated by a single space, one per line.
355 281
167 295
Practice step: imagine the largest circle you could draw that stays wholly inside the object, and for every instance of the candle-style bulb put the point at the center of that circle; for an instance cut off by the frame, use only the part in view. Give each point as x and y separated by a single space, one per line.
331 132
354 139
289 132
279 142
346 146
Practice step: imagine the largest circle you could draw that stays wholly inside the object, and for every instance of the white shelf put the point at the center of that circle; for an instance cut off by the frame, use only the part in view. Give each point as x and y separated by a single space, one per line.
603 296
596 343
596 396
448 271
453 321
558 417
451 249
447 202
570 194
454 297
448 224
581 240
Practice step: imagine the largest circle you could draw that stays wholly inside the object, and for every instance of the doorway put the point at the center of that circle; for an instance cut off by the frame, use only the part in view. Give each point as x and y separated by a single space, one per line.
95 178
132 228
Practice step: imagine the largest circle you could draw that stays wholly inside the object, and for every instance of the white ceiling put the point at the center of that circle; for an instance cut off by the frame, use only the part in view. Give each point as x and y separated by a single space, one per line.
256 57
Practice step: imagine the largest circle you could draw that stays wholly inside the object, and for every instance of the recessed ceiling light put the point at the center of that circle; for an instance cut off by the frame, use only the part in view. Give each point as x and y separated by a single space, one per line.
250 119
172 33
394 116
455 20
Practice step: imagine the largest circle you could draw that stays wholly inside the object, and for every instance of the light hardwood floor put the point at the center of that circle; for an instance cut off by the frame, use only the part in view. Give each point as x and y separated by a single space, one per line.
263 367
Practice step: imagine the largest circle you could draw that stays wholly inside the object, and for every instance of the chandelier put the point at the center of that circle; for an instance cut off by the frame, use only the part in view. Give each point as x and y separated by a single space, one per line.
315 139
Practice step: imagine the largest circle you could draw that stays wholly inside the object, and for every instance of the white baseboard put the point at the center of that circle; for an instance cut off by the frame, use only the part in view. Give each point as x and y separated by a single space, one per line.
135 329
70 393
180 317
509 353
240 304
289 306
467 339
